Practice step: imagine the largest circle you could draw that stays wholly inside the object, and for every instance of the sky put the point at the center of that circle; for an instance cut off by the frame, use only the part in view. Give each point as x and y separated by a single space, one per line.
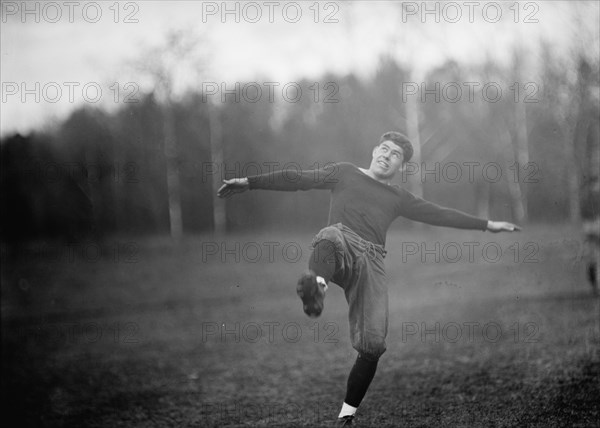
58 56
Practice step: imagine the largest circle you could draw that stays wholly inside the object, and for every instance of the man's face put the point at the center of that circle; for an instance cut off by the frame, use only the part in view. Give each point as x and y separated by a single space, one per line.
387 160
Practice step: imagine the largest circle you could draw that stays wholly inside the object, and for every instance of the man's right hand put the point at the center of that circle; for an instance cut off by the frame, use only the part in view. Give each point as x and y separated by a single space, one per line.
233 186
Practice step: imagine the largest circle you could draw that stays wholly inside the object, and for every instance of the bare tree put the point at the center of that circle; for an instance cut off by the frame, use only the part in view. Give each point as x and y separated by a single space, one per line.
569 82
216 151
568 98
515 139
161 64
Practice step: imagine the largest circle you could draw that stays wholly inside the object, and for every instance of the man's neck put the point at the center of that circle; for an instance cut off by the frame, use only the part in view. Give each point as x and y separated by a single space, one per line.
374 177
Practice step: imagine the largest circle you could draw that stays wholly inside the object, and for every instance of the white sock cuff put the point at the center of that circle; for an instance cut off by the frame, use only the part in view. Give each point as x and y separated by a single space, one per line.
347 410
321 280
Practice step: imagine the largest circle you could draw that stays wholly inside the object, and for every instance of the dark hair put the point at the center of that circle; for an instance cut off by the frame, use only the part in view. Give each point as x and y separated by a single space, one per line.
401 141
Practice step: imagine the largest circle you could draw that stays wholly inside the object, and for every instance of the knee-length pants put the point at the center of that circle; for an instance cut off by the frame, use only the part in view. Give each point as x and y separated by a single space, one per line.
360 271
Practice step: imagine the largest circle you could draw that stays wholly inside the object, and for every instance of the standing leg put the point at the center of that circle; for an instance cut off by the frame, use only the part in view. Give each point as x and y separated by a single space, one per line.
360 378
368 313
339 257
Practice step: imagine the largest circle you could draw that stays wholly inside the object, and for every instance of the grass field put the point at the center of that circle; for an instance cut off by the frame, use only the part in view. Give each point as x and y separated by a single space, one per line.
141 333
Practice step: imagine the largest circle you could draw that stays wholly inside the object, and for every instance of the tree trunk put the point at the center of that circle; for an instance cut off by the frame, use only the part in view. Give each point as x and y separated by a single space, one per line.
483 199
519 133
412 130
522 147
216 150
173 184
514 188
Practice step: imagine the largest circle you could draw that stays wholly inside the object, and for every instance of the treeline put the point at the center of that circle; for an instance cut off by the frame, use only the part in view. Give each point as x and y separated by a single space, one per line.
491 143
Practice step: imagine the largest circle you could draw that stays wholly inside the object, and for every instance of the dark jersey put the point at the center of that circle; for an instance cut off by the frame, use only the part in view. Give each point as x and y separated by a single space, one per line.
362 203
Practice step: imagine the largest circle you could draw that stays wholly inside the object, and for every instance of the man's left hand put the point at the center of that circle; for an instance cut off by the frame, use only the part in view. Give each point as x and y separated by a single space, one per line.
502 226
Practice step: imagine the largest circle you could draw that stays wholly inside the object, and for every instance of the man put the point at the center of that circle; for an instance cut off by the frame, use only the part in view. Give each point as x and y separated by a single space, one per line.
351 249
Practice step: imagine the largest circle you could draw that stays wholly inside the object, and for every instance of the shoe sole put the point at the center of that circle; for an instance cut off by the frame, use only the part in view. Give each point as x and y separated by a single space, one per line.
310 293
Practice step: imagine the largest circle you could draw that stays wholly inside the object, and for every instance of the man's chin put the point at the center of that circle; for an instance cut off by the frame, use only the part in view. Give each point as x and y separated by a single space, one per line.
384 174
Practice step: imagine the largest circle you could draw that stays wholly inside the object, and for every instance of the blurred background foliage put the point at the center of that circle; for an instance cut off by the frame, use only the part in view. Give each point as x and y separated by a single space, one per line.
153 167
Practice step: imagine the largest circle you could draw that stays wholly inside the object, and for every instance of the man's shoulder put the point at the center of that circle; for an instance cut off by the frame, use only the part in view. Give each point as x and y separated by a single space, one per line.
338 169
345 166
403 193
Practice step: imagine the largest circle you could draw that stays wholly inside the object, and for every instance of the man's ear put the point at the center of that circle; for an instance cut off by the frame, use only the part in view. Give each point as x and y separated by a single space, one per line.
374 150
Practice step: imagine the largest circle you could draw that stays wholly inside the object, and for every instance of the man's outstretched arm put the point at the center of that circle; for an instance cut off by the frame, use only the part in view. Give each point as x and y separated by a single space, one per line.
286 180
424 211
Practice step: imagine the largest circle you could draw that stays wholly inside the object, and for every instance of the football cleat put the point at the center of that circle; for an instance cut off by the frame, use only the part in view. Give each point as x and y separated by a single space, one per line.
312 293
346 421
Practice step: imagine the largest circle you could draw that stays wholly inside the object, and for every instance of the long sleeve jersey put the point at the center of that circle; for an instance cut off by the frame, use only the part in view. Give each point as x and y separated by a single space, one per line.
362 203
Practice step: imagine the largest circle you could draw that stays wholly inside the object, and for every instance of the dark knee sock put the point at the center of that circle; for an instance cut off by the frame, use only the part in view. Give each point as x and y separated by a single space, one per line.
322 259
360 378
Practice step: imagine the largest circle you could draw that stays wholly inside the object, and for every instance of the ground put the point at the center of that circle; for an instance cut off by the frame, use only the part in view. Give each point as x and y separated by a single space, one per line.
140 333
